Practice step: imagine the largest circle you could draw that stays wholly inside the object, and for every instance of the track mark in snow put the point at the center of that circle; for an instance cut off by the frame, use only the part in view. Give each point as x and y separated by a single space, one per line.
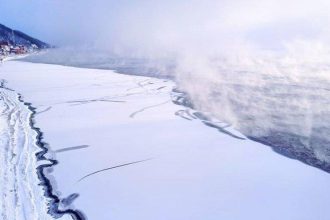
114 167
69 200
82 102
148 107
162 87
45 110
71 148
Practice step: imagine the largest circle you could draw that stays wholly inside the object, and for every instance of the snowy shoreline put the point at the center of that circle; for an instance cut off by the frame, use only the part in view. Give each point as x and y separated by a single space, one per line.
27 191
45 182
106 119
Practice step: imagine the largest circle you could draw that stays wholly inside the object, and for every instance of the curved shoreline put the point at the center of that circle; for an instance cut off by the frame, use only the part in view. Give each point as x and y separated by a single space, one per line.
44 181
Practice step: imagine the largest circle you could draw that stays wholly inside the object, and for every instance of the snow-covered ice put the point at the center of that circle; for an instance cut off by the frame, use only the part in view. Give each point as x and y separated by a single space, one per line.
98 119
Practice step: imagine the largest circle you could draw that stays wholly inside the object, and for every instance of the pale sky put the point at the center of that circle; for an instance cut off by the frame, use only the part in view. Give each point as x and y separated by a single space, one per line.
166 24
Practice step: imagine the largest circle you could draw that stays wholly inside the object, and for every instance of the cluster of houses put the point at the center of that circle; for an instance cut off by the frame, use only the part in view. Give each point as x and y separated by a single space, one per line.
6 48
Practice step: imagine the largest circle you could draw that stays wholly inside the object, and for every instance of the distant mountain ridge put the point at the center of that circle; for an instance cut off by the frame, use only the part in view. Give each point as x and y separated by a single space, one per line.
15 37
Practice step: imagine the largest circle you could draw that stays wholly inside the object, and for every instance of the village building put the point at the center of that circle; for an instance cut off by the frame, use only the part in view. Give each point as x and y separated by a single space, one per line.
4 47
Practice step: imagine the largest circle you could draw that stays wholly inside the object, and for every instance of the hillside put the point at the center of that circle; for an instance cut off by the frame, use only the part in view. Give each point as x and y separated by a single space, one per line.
15 37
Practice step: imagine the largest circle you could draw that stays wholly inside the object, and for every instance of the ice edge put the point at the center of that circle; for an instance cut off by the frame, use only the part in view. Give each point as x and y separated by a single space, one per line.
44 181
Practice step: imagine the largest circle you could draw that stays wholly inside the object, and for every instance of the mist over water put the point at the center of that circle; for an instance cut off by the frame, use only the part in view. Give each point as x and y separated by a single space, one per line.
279 101
261 66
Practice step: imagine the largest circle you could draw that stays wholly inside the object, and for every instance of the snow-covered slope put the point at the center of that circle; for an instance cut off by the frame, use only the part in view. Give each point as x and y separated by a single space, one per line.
95 120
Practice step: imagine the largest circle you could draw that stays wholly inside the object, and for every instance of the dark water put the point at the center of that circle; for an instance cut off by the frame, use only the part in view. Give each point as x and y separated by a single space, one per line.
90 59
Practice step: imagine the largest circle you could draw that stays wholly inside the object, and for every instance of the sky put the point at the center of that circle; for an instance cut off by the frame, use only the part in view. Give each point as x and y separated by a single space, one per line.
167 25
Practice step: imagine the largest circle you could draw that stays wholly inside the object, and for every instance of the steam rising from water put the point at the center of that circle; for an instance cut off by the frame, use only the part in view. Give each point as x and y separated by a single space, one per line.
282 101
262 66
